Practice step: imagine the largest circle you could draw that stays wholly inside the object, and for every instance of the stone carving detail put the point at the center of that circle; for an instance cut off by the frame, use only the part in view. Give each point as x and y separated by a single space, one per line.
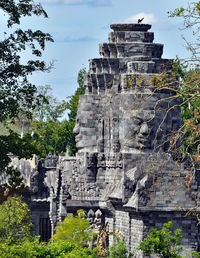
95 219
34 181
51 161
91 216
98 219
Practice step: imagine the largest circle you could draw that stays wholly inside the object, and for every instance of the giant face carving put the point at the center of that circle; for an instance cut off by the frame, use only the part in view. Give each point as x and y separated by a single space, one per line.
136 129
120 124
85 128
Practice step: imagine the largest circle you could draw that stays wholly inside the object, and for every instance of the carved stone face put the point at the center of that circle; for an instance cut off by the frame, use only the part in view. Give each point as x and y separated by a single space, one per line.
85 128
119 125
136 131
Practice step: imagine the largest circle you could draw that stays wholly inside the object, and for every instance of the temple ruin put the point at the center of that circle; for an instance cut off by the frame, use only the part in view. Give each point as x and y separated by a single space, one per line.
123 174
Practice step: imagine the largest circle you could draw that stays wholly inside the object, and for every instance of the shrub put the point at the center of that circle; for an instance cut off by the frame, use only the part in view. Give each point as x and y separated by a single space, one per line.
163 242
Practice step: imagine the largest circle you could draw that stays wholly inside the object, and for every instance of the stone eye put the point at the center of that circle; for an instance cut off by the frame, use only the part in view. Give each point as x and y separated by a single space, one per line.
137 121
115 119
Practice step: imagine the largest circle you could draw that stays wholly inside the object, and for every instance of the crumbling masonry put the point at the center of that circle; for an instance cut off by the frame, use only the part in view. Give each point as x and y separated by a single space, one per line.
121 174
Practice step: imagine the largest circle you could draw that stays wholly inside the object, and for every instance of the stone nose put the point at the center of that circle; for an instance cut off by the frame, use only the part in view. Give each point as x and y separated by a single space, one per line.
76 129
144 129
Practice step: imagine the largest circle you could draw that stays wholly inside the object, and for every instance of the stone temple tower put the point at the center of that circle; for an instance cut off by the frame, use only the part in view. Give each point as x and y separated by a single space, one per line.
123 174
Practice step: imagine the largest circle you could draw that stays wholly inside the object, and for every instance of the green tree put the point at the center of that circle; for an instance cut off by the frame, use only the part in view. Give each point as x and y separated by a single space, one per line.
72 106
75 230
33 248
16 240
119 249
51 134
190 111
49 107
163 242
189 80
16 92
15 221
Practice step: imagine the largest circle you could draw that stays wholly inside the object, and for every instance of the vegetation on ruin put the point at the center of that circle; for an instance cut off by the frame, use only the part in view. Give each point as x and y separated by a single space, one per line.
182 79
119 249
74 229
163 242
187 76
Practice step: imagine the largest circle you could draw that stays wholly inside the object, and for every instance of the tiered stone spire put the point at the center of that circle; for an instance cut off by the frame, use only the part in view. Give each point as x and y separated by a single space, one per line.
130 50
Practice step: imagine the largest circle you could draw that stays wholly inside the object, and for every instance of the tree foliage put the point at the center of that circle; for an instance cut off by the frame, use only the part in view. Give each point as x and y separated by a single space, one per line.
17 94
74 229
163 242
15 221
72 106
16 240
51 134
33 248
191 22
190 110
187 72
50 108
119 249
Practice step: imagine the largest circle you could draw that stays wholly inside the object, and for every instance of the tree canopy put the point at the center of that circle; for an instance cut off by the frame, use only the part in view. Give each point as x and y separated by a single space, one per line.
17 95
51 133
15 221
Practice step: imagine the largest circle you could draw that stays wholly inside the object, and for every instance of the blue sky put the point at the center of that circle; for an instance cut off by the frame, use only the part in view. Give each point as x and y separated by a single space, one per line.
78 26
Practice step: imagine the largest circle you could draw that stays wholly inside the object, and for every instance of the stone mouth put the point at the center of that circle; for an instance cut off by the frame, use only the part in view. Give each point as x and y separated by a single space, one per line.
78 138
130 27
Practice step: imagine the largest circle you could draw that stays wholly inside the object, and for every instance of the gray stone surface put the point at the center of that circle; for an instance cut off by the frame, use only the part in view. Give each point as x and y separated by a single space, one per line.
122 173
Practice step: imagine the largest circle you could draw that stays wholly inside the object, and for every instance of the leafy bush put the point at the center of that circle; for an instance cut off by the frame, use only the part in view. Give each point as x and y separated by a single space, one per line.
34 249
119 249
74 229
15 221
163 242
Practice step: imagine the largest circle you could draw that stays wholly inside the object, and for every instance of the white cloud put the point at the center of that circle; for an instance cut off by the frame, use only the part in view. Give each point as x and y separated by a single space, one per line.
148 18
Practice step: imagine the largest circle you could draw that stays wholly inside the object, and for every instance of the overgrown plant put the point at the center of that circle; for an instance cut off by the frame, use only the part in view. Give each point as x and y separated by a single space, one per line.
163 242
75 230
119 249
15 221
